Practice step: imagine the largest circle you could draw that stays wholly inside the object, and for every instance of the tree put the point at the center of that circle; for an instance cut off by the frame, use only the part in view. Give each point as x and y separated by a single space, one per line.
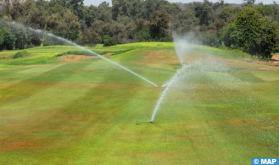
252 33
57 9
36 17
64 3
1 37
6 4
265 10
55 24
124 20
210 39
171 8
218 4
131 32
206 16
140 24
17 35
1 15
120 8
7 38
42 3
119 32
144 35
159 22
90 37
110 42
248 2
89 17
105 13
72 25
76 3
154 5
218 24
16 11
97 26
225 13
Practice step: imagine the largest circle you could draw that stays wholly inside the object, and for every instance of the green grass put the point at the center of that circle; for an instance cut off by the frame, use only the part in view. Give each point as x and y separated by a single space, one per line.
90 111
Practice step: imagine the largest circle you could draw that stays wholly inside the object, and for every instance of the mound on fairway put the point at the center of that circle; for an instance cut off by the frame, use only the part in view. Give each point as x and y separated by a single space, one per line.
89 111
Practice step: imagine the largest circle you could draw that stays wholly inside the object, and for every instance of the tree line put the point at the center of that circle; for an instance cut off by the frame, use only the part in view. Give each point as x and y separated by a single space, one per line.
249 27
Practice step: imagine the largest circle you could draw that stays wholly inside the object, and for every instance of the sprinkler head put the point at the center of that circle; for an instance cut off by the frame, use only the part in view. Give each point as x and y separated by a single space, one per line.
150 121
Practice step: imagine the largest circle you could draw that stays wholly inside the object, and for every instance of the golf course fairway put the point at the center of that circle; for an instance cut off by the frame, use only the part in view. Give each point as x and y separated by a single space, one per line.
70 109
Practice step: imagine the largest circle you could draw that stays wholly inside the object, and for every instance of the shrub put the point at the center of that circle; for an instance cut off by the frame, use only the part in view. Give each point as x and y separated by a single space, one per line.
75 52
210 40
87 53
277 47
110 42
144 35
105 37
167 39
61 54
19 54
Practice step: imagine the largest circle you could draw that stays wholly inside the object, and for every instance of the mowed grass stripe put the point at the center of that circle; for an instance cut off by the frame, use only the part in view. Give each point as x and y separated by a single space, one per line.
46 94
102 116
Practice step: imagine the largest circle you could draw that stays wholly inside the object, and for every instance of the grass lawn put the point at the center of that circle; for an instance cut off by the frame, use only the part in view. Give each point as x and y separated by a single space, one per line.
90 111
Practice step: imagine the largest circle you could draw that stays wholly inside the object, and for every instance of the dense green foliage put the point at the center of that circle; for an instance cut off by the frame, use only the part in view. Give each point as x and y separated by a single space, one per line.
158 23
252 32
7 38
110 42
125 21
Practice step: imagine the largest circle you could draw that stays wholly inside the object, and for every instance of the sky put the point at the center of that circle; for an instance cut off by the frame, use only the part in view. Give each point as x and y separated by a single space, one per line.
97 2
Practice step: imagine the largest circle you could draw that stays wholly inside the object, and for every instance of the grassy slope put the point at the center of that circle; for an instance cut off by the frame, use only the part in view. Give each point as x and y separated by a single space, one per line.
100 114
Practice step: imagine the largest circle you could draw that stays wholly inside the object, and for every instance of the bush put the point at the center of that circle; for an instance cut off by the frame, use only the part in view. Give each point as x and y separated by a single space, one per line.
144 35
277 47
19 54
168 39
110 42
105 37
87 53
210 40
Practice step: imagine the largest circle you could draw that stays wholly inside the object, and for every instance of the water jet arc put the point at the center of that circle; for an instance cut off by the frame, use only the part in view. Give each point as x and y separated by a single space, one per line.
173 79
71 43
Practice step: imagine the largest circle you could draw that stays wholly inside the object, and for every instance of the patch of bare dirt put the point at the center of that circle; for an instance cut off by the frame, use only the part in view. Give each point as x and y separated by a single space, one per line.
155 54
274 61
159 57
275 57
72 57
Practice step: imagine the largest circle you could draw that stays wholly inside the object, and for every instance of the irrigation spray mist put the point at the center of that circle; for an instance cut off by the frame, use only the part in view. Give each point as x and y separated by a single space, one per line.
173 79
224 84
181 47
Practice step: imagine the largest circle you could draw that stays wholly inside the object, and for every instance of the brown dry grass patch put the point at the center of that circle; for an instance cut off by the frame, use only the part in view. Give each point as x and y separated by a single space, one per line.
159 56
72 57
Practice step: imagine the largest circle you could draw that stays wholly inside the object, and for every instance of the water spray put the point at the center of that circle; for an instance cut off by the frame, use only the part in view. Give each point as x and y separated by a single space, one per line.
173 79
69 42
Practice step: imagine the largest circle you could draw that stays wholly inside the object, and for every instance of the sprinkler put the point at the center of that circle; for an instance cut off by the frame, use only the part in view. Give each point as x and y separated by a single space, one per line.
150 121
